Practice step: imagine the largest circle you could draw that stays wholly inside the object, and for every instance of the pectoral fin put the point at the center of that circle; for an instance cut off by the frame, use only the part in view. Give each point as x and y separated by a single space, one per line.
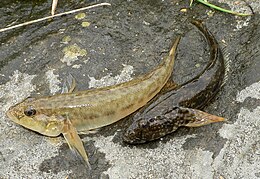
170 85
69 85
71 135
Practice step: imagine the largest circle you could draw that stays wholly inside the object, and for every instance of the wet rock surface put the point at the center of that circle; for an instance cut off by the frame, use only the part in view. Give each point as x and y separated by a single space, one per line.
119 43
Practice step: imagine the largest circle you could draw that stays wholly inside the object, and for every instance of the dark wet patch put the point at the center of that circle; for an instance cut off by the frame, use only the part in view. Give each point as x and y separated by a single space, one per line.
67 161
207 138
257 174
251 103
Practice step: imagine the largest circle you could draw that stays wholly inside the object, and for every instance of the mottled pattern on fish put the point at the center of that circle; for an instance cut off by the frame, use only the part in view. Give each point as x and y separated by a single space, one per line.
173 109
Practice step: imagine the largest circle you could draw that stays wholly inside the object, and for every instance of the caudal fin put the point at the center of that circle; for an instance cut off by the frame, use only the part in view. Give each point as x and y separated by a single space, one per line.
200 118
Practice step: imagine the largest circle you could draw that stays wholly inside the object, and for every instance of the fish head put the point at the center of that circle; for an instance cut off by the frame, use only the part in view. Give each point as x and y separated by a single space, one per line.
29 116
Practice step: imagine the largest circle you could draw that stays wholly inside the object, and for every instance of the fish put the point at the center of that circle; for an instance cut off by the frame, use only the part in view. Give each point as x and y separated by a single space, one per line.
181 106
74 113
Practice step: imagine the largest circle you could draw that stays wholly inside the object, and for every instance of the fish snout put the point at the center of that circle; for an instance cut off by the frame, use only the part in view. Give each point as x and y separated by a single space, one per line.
10 113
132 134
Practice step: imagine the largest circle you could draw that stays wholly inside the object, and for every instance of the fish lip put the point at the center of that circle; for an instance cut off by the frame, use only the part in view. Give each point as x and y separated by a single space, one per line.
10 115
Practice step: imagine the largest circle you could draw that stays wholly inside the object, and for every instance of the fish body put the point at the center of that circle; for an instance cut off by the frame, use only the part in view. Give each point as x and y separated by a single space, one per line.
73 113
174 108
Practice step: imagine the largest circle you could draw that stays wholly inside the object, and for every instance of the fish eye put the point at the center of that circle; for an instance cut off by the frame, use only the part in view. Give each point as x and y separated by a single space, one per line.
30 111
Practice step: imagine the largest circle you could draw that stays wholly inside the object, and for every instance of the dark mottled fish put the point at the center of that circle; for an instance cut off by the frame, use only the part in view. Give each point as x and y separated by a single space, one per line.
176 108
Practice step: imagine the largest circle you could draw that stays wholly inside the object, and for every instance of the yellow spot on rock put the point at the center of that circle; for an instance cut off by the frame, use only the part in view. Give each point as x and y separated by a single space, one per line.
80 16
85 24
197 65
66 39
184 10
71 53
210 13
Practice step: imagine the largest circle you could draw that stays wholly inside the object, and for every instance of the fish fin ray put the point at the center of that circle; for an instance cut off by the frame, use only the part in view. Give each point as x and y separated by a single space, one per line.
170 85
71 136
202 118
69 84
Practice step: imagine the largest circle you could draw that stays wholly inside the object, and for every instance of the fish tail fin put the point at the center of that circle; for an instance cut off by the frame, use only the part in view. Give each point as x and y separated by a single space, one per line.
169 61
199 118
170 84
174 46
71 136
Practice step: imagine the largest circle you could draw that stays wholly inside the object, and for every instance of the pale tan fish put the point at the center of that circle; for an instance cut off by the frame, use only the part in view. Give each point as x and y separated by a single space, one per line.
73 113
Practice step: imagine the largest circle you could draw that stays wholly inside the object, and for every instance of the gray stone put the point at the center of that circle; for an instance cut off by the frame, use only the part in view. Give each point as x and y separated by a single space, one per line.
123 41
